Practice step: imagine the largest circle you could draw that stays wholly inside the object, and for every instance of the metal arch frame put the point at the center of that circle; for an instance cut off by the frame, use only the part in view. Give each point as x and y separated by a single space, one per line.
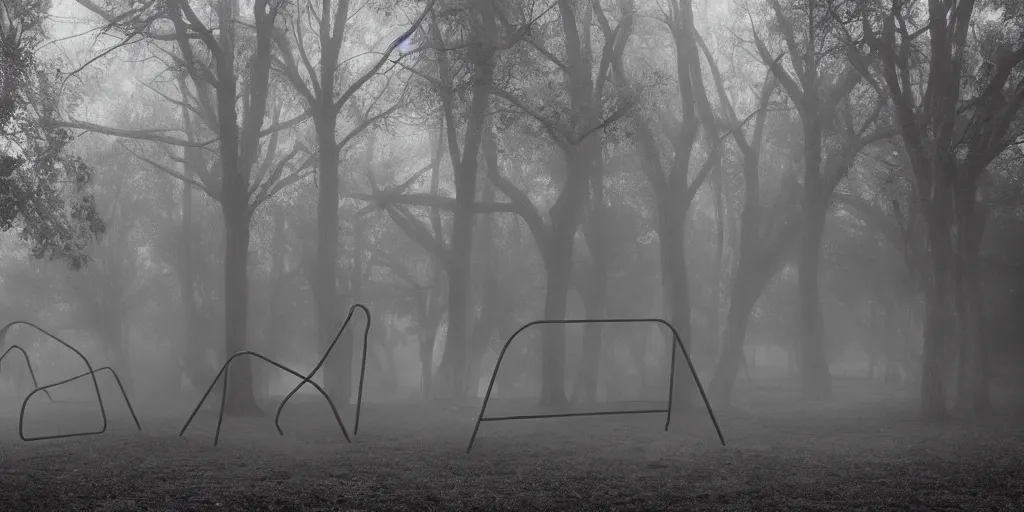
35 383
91 373
45 389
671 386
323 359
223 399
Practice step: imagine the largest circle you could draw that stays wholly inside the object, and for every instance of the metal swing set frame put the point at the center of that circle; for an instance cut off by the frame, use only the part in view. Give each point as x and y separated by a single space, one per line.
677 342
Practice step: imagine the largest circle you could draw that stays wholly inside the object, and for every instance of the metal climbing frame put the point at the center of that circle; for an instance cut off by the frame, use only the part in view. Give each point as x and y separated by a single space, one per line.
224 372
45 389
323 359
35 383
304 380
671 385
91 373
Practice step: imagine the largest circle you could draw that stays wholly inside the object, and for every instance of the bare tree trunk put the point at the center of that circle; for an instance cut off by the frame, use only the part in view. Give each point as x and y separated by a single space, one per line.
354 333
741 304
874 345
240 398
981 379
491 300
676 287
553 340
715 319
194 348
973 386
428 335
585 387
454 361
815 378
759 258
321 100
430 307
565 219
566 212
325 291
596 295
275 318
238 151
939 307
674 191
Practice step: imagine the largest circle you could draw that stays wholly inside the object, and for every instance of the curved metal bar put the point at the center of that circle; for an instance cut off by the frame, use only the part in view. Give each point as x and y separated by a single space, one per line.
323 359
668 416
24 404
362 366
31 373
91 373
224 372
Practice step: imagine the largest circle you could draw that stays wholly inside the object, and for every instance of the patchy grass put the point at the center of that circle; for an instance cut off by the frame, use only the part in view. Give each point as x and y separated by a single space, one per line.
869 453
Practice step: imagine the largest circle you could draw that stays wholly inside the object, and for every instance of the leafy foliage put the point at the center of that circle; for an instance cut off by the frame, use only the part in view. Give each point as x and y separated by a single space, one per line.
59 221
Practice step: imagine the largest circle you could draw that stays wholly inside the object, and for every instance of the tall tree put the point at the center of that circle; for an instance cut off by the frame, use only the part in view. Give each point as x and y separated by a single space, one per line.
556 242
484 44
820 82
953 125
209 57
580 147
192 161
318 84
428 293
483 56
767 232
764 233
674 190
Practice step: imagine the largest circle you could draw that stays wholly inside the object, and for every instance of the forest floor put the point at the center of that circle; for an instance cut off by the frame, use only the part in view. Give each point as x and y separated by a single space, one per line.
867 450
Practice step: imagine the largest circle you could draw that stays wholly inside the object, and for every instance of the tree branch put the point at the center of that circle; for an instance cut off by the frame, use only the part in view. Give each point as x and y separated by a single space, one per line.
358 84
520 201
555 131
214 194
619 113
792 88
152 135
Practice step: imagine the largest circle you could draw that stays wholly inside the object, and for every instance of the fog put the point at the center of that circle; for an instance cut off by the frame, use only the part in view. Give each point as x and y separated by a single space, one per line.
772 225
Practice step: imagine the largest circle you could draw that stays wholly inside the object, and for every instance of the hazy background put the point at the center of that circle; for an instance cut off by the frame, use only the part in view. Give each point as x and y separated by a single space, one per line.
625 158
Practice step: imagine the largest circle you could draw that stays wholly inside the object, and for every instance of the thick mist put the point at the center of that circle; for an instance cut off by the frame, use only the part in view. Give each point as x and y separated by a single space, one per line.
518 254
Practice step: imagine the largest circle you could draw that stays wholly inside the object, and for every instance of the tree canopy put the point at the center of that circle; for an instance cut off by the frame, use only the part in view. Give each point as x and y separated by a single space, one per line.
44 189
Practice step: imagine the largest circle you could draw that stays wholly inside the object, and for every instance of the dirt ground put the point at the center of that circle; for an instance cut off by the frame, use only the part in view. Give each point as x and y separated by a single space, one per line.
867 451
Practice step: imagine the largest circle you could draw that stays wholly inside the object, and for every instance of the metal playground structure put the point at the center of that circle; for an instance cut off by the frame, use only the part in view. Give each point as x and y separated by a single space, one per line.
46 389
307 379
676 342
223 375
